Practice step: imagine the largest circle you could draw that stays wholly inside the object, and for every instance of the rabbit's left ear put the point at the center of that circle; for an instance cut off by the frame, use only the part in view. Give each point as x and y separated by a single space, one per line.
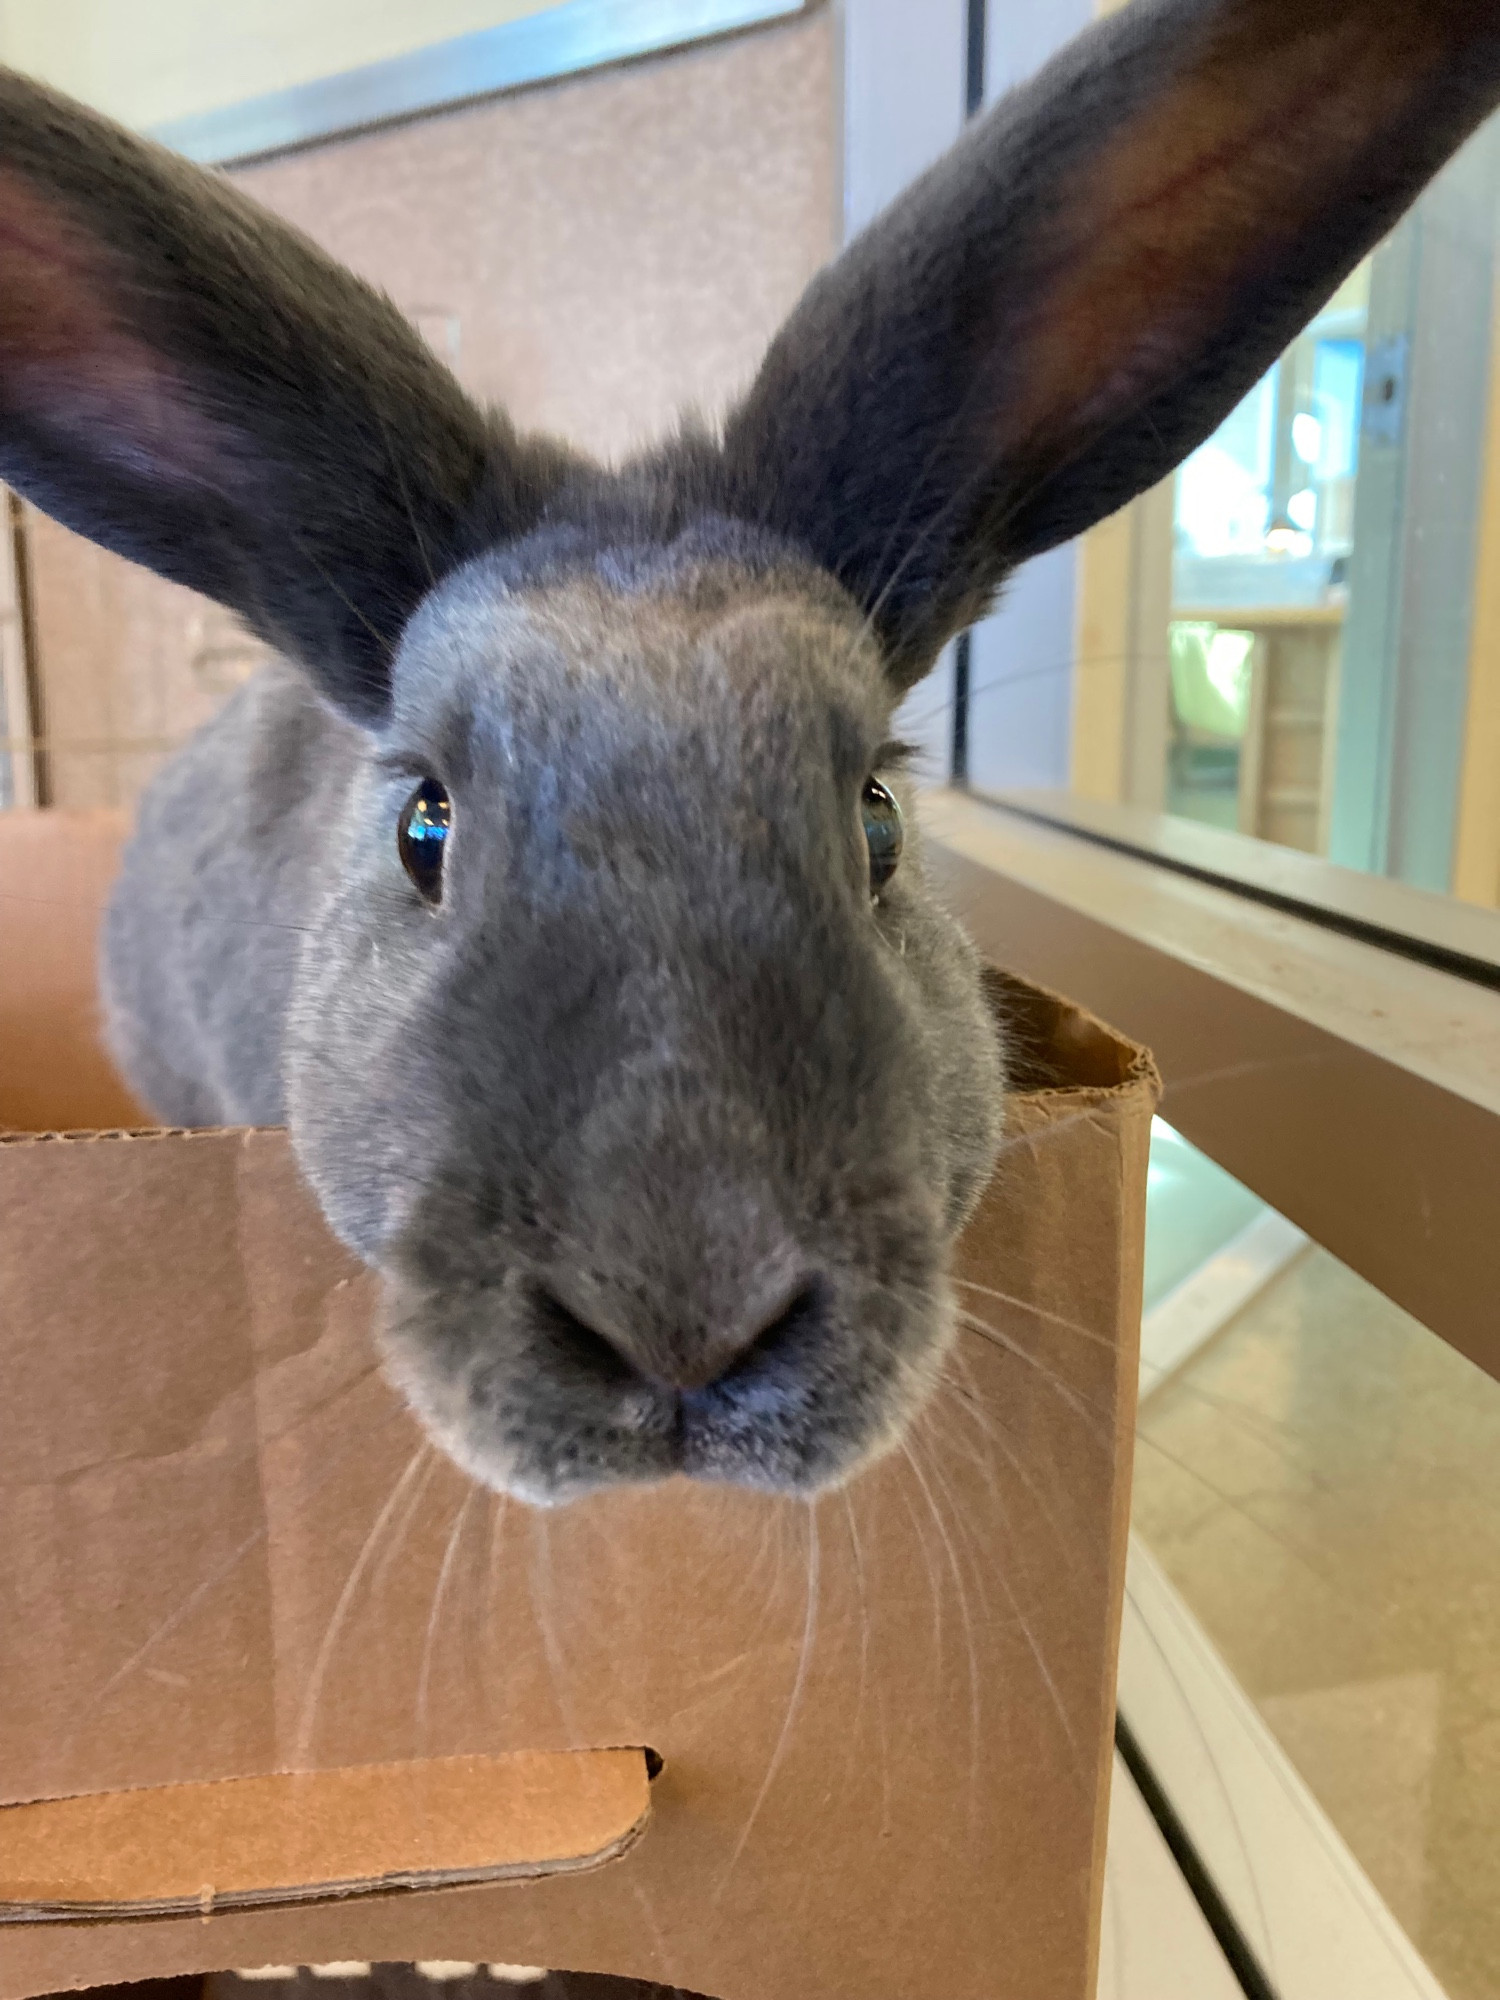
1075 297
194 385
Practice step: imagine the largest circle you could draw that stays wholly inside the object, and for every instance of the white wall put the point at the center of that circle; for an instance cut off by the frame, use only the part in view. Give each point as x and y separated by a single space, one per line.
1021 659
903 107
904 63
146 61
903 96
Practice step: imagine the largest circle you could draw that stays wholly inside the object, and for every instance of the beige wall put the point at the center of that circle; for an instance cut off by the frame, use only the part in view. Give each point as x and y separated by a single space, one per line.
145 61
608 249
1118 744
613 248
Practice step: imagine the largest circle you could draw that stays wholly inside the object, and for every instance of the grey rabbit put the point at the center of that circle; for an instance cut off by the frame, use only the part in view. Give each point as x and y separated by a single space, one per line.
558 885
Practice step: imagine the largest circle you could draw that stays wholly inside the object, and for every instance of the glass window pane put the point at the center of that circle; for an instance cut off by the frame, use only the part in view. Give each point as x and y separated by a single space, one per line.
1297 637
1318 1480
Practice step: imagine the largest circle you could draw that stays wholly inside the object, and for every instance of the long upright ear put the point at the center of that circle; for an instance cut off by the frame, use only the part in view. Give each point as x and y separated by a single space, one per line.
195 386
1075 297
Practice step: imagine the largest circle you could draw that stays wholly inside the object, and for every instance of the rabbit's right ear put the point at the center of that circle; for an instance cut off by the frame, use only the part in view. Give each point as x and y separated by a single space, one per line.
192 384
1080 292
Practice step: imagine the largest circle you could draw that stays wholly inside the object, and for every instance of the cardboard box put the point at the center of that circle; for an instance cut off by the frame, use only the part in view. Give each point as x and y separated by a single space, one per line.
277 1685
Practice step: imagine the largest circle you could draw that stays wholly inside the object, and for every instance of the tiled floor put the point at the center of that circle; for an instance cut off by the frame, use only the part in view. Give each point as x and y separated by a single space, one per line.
1322 1484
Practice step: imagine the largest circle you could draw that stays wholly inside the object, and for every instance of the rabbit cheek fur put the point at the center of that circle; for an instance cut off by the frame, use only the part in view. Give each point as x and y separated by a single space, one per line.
659 1127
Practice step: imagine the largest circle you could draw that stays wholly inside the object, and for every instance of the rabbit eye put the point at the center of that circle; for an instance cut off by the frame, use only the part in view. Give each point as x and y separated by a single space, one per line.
421 836
884 832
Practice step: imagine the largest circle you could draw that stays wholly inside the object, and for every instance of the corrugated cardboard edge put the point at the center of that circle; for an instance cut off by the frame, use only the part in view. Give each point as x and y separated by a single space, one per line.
1130 1101
403 1881
270 1800
1143 1084
1137 1066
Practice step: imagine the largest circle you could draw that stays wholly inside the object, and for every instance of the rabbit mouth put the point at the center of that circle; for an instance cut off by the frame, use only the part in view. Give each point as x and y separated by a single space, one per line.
523 1405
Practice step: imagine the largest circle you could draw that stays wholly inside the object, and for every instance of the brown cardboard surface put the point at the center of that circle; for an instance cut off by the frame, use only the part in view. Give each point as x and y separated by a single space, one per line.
52 1069
300 1835
228 1553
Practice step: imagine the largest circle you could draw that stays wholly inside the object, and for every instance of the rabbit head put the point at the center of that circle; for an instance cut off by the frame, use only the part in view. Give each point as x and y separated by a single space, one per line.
625 1038
660 1119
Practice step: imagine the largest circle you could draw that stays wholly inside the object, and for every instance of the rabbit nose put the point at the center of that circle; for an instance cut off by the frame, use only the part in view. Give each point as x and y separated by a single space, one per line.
721 1360
672 1362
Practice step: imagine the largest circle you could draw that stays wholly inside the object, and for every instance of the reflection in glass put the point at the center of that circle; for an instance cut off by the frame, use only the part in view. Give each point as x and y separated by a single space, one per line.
1263 528
1318 1481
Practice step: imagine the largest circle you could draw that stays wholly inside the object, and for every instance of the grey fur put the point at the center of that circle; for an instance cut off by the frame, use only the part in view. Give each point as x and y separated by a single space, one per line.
660 1127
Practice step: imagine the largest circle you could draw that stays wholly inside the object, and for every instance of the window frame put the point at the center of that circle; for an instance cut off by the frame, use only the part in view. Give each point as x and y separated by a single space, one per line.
1354 1088
561 41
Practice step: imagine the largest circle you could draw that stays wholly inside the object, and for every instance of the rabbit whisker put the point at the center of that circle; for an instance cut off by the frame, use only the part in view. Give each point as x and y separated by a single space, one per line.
1034 1311
960 1585
1093 1415
368 1547
856 1549
794 1699
958 1400
175 1620
434 1615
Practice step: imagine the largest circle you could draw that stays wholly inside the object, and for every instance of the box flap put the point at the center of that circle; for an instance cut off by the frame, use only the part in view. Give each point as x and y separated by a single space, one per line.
257 1842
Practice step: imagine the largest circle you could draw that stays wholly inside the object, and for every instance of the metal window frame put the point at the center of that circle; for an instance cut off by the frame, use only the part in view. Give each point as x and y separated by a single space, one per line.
1422 924
561 41
1353 1088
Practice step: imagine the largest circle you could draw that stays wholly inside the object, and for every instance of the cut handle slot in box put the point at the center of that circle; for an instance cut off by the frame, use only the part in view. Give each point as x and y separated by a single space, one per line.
298 1837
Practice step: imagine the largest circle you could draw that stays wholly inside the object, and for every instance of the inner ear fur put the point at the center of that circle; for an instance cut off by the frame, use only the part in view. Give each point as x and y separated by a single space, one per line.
192 383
